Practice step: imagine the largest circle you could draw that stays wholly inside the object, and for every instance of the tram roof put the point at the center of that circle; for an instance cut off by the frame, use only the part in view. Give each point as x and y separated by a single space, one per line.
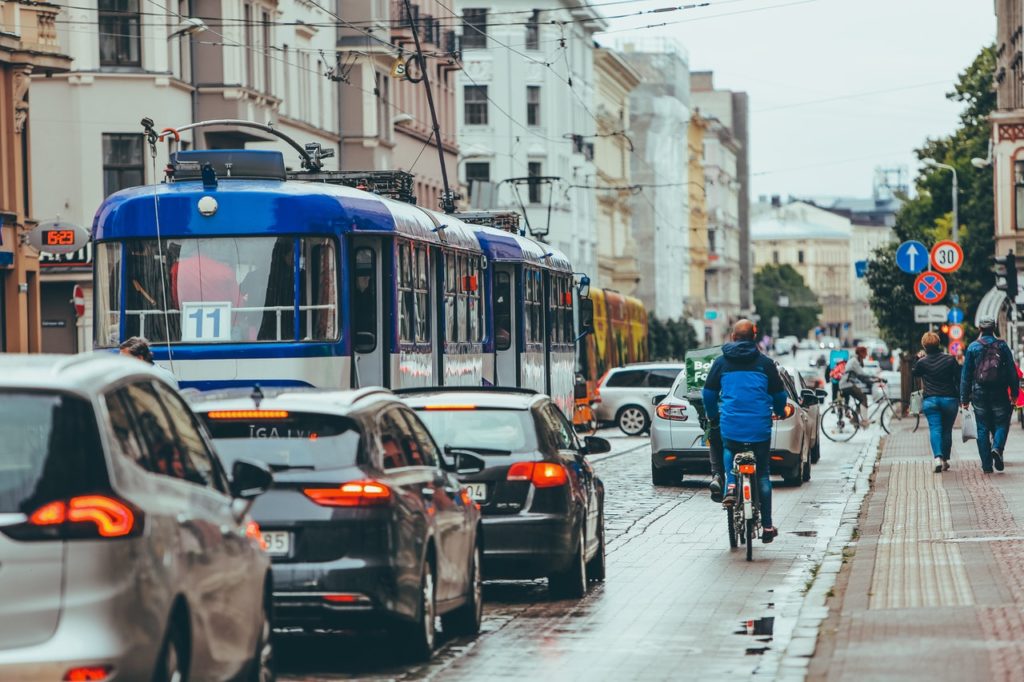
499 246
269 207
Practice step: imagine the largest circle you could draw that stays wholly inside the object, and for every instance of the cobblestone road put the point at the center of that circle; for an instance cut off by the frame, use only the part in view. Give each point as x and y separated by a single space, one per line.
676 599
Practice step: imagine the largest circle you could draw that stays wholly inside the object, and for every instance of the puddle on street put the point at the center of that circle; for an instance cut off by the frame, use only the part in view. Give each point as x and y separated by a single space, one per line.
805 533
761 626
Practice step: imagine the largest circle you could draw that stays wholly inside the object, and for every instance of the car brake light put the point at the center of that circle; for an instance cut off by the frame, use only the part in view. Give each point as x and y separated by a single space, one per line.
675 413
788 412
85 673
351 494
252 531
247 414
110 517
449 408
541 474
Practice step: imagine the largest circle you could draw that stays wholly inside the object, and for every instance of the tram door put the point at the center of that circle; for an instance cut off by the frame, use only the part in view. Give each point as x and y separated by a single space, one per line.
367 315
506 338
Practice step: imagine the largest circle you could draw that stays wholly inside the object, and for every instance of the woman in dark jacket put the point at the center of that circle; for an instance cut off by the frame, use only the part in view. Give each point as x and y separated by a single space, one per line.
941 375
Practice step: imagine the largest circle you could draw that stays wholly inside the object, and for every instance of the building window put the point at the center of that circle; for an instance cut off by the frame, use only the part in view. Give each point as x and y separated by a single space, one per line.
267 66
533 105
534 170
120 39
800 257
1018 193
477 171
775 257
476 104
474 28
533 31
122 161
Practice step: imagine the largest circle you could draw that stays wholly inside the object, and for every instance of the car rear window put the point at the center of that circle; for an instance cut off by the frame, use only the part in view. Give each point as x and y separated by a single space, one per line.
485 431
663 378
288 440
627 379
51 450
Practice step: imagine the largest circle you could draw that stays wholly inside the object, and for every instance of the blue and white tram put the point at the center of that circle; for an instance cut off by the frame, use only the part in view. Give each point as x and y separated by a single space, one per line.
237 275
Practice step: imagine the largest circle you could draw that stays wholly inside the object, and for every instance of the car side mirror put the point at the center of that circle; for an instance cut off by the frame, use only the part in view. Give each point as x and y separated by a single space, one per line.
808 397
586 316
656 400
593 445
821 395
250 479
468 463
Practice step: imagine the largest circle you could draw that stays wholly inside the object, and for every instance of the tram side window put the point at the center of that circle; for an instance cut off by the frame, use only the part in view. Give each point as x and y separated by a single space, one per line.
414 293
534 313
451 309
570 330
320 288
422 295
108 294
364 301
473 310
463 305
406 302
502 311
267 285
554 296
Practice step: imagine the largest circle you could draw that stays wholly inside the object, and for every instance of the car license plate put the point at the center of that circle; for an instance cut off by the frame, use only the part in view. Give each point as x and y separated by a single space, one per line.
477 491
278 543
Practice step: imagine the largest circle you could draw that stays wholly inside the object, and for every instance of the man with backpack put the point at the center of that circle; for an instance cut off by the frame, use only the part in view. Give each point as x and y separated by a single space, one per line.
988 382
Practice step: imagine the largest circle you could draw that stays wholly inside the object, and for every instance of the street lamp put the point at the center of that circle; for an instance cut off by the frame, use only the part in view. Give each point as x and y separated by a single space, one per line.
956 217
189 27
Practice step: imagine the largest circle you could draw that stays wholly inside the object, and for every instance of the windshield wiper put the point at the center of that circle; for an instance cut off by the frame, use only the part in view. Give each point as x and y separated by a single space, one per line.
456 449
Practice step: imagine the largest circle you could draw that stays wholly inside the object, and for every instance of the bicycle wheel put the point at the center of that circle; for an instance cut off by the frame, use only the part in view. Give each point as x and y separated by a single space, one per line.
886 416
838 423
730 518
750 539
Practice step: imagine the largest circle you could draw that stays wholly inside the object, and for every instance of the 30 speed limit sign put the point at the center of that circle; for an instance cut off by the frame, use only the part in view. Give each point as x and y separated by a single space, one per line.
947 256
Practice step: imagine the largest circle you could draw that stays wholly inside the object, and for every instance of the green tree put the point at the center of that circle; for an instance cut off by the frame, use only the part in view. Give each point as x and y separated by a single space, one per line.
782 284
670 339
928 216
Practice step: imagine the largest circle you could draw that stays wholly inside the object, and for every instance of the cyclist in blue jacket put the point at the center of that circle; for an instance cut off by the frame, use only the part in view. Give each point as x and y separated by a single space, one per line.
742 391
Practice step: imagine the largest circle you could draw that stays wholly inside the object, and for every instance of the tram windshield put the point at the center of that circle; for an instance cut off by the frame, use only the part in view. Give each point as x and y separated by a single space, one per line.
218 290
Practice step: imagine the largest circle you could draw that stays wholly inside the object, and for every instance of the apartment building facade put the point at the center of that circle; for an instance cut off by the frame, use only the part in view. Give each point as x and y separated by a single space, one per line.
28 46
525 115
258 61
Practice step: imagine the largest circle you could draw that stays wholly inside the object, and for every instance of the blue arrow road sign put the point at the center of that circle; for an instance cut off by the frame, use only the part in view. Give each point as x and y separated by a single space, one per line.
912 257
861 267
956 316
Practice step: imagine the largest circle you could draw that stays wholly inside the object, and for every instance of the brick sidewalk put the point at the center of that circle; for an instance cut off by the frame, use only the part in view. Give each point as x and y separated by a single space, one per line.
935 585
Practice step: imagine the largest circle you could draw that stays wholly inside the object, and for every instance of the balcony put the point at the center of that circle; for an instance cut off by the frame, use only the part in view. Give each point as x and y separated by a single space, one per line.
31 28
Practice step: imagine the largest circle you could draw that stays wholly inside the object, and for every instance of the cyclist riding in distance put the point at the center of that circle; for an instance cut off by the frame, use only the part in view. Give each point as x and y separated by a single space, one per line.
742 391
853 376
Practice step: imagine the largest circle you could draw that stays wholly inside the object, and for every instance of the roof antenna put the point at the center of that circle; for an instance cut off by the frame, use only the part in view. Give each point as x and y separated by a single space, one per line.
447 198
256 395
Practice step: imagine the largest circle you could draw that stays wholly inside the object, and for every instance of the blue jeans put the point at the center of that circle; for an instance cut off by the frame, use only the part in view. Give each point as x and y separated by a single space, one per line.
992 414
764 472
941 413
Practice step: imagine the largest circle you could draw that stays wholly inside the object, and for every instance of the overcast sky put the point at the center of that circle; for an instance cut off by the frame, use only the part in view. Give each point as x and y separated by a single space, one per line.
790 56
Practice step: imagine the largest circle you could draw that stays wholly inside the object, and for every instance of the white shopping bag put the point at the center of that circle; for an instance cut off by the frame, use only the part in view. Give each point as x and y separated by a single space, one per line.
969 426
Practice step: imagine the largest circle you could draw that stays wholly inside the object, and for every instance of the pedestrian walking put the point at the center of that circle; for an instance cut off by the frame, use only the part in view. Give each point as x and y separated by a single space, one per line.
940 373
988 383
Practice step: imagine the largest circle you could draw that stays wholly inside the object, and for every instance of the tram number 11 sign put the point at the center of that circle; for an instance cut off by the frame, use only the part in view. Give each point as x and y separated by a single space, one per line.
947 256
206 321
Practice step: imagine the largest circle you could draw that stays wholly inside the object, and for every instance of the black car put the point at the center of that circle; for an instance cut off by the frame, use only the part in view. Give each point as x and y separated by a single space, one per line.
543 507
366 524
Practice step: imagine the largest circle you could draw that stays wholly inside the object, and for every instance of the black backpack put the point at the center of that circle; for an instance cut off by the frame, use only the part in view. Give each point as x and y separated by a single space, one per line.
990 366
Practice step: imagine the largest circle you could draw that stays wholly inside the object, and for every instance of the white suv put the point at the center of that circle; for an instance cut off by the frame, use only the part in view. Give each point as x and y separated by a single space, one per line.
624 394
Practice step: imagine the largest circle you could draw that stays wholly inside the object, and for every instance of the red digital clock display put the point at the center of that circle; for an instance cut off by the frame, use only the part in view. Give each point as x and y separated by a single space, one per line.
59 237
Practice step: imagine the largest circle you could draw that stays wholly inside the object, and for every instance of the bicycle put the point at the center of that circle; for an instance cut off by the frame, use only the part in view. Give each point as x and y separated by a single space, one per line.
744 516
840 422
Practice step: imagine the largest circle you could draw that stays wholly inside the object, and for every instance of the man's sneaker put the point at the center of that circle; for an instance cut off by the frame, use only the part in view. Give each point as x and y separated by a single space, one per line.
769 534
716 489
730 496
945 463
938 465
985 471
997 460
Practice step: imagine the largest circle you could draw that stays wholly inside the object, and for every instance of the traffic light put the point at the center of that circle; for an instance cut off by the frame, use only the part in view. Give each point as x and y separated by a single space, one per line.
1006 275
944 329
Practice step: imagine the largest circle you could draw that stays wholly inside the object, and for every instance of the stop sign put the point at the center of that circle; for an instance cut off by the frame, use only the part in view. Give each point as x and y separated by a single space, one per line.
79 300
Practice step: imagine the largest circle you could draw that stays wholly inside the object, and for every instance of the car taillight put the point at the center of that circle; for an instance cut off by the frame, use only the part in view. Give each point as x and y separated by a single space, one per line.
252 531
788 412
541 474
85 673
351 494
675 413
84 516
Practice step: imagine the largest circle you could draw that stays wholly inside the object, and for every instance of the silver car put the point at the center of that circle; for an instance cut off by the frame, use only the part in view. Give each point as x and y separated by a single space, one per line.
624 394
125 552
678 445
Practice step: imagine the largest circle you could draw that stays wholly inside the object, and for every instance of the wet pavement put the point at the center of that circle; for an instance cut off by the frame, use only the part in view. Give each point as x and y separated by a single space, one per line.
676 603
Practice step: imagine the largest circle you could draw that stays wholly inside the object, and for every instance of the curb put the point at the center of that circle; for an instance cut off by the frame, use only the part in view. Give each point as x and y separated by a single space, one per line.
809 609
